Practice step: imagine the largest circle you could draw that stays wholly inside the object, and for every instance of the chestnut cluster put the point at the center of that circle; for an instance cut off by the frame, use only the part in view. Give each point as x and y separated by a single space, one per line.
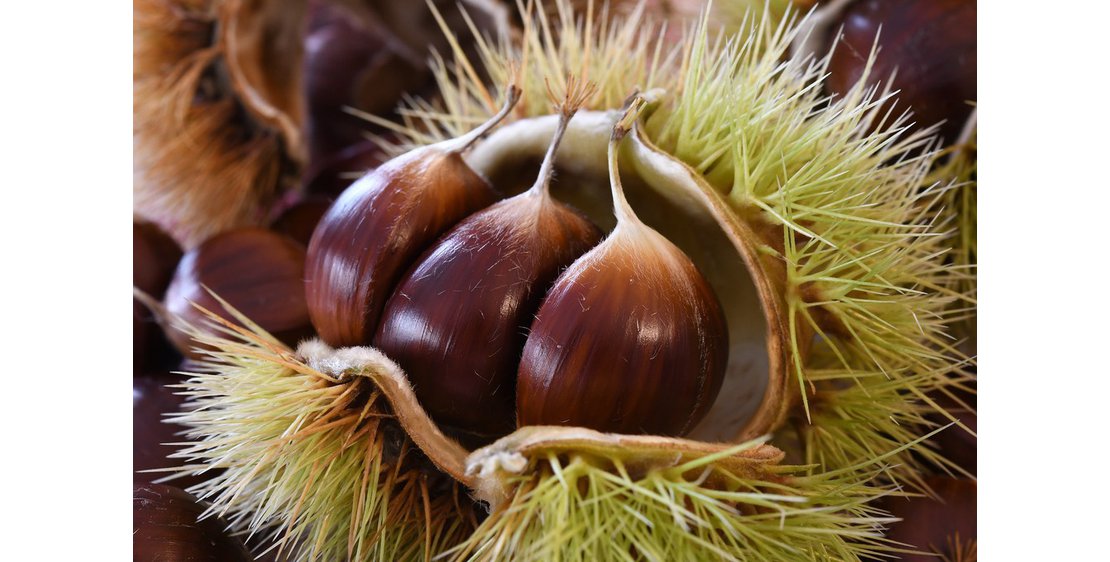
514 312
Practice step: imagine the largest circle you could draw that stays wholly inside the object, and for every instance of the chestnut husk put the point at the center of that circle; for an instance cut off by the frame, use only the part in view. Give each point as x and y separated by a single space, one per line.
217 116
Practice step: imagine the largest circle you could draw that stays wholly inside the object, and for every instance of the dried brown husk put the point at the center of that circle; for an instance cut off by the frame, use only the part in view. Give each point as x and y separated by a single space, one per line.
220 113
216 129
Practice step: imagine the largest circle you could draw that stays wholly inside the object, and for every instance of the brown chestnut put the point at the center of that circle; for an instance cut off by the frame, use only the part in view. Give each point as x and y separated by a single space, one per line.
152 399
154 257
299 220
930 46
457 321
381 224
351 59
258 272
165 528
944 525
631 339
329 177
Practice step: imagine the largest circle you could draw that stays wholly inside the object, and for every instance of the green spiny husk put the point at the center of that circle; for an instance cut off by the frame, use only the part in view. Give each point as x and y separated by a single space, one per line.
574 505
861 230
314 465
309 461
959 164
865 267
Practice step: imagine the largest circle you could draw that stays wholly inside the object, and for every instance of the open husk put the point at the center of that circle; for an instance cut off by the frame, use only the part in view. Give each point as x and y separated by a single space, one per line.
812 219
325 454
817 215
672 199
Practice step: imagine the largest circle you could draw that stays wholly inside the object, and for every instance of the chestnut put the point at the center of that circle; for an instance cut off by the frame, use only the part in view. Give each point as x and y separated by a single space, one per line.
152 398
154 257
165 528
929 46
631 339
258 272
944 525
457 321
381 224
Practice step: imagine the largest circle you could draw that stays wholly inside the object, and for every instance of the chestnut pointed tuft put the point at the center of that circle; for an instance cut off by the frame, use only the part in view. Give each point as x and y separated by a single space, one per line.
631 339
457 321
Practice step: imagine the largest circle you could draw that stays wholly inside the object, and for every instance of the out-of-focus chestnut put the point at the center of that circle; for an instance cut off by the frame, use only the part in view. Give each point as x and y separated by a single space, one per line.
352 59
930 43
151 399
945 525
154 255
165 529
328 178
258 272
299 220
954 443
